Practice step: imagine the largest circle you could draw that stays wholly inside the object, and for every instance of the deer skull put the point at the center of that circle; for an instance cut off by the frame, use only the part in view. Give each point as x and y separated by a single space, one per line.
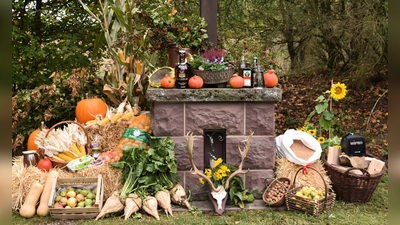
219 196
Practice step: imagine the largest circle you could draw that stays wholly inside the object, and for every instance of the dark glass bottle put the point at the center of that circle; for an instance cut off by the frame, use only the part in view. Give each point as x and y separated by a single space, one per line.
248 80
182 71
254 72
241 67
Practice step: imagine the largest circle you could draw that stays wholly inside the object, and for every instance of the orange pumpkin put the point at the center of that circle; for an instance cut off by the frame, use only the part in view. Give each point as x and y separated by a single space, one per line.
195 82
88 108
236 81
31 140
167 82
270 79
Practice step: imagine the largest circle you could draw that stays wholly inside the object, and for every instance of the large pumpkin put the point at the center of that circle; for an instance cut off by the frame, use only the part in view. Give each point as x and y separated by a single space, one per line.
270 79
195 82
167 82
31 140
236 81
88 108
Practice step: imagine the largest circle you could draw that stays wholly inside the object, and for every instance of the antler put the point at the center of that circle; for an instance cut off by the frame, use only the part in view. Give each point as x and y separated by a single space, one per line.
189 145
243 155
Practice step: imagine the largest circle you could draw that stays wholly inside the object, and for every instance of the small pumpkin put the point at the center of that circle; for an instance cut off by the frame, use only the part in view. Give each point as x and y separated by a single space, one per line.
236 81
195 82
270 79
32 137
87 109
167 82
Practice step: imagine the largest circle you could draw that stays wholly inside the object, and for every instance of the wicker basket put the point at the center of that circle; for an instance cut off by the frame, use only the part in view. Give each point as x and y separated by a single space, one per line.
214 77
156 77
281 182
62 164
352 187
308 206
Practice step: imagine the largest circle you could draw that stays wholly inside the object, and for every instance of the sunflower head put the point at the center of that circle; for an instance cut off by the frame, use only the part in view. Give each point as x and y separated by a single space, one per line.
338 91
321 140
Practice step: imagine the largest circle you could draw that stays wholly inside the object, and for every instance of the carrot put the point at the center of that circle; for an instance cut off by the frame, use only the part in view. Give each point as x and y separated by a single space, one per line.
150 206
131 206
164 200
112 205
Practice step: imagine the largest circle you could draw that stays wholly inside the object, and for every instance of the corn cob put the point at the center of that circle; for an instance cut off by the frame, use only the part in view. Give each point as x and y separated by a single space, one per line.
81 149
75 149
71 154
58 158
104 121
126 116
115 117
91 122
64 157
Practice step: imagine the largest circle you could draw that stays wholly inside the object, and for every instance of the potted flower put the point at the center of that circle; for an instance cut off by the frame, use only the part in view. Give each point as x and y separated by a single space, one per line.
212 66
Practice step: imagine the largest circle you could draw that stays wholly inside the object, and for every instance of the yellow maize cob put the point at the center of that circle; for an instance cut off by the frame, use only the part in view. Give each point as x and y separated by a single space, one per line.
115 117
58 158
71 154
126 116
104 121
81 149
75 149
121 55
91 122
64 157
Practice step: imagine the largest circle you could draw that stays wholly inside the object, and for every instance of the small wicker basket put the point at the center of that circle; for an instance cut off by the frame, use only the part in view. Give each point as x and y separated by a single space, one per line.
282 182
308 206
214 77
60 164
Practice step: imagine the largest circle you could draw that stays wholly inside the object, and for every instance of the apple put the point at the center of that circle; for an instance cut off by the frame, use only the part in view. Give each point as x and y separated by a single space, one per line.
72 202
63 201
80 197
71 194
58 205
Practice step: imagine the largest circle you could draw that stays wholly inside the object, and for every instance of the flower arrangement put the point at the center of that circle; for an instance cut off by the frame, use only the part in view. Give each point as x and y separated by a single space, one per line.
326 121
212 59
219 173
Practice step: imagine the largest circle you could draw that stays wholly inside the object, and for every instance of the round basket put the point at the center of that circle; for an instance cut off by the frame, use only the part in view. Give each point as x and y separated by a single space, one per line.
281 182
214 77
352 187
156 77
62 164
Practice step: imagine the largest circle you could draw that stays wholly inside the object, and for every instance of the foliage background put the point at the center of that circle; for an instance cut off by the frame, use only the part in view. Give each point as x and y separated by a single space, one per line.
346 38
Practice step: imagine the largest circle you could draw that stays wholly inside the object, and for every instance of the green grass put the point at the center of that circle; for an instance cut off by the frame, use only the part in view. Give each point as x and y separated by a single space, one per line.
374 212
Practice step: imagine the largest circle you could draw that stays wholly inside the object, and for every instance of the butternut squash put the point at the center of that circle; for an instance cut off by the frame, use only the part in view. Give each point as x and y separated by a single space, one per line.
43 209
28 209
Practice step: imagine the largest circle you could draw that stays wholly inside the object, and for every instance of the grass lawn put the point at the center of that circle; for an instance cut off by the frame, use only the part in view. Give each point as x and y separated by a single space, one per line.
374 212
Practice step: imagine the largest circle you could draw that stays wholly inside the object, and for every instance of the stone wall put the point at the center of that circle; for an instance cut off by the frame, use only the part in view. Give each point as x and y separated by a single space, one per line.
175 112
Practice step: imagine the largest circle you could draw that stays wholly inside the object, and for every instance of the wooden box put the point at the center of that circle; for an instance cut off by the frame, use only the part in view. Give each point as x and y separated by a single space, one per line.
77 213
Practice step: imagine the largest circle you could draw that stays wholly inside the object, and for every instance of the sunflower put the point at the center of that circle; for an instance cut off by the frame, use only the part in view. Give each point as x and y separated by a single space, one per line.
201 180
321 140
338 91
312 132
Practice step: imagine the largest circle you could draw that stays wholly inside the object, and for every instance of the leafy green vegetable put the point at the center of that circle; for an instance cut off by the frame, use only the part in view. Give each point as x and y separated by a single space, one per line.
148 171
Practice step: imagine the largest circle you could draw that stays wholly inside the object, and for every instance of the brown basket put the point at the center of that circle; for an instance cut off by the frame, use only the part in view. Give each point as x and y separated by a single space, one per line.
62 164
214 77
308 206
156 77
77 213
280 181
352 187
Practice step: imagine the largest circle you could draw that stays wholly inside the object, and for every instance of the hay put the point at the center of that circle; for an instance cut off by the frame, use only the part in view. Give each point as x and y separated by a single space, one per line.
110 134
285 168
22 178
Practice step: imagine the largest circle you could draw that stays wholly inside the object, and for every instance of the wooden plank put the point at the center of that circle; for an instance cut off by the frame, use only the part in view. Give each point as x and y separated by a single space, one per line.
333 155
375 166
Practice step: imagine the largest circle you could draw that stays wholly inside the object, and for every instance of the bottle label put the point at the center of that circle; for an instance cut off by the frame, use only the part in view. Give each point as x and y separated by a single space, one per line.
247 78
136 134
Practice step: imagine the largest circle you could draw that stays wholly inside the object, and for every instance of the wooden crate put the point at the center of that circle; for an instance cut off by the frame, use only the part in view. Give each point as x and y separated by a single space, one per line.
77 213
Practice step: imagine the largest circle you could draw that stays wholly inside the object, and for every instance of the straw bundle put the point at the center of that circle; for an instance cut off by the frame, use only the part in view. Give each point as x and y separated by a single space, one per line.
22 178
110 133
285 168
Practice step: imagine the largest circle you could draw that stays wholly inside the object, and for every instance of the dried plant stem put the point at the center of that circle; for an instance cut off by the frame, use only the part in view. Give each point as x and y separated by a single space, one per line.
373 108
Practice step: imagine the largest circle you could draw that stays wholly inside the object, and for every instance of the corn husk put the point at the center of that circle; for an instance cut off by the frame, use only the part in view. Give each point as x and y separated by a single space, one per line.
285 168
23 177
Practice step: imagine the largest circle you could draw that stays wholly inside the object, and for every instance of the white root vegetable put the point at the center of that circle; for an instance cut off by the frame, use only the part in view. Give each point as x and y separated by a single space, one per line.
150 206
130 208
178 196
164 200
112 205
